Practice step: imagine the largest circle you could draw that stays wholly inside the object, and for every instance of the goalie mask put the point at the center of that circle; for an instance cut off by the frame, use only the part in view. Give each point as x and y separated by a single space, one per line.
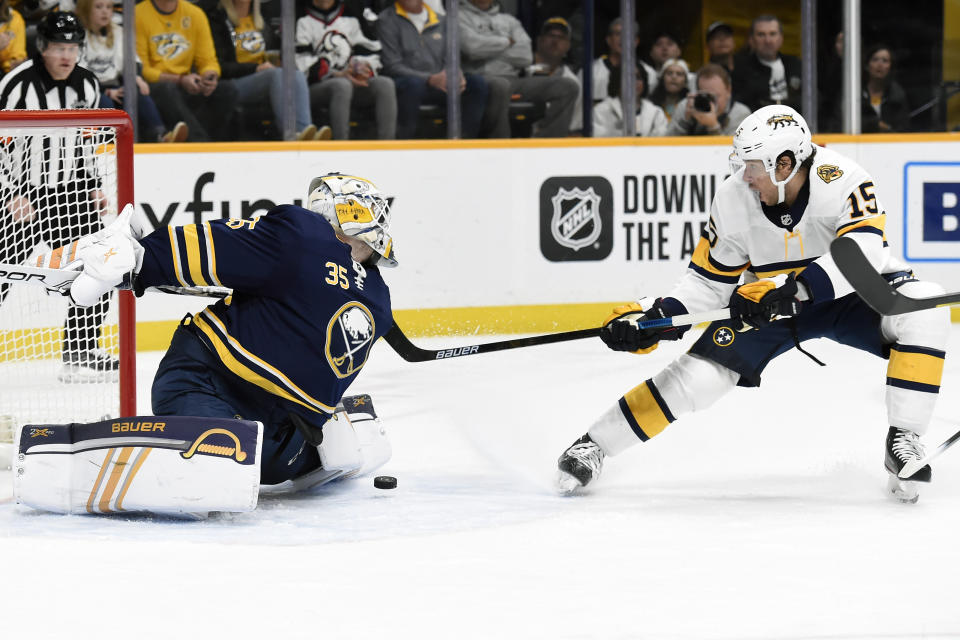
356 208
767 133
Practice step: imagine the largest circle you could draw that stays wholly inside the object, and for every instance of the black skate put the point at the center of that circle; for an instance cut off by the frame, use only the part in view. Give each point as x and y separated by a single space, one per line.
904 448
580 464
96 365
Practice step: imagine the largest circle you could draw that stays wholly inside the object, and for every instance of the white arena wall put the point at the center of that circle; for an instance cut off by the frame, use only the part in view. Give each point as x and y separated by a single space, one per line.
476 223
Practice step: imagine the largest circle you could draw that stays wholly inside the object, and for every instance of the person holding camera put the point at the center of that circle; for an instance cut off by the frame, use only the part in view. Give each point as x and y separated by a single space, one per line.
710 111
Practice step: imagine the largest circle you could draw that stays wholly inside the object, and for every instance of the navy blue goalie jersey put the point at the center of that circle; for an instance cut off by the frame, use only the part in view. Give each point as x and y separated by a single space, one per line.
303 315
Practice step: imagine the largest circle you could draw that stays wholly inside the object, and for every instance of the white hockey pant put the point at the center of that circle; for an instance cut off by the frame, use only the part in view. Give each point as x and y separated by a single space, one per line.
918 342
689 383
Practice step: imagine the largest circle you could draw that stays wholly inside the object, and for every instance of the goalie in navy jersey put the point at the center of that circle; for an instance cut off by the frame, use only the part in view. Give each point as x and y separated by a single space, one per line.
765 254
306 304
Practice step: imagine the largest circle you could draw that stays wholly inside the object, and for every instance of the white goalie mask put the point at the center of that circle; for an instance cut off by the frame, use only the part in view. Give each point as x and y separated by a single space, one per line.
356 208
767 133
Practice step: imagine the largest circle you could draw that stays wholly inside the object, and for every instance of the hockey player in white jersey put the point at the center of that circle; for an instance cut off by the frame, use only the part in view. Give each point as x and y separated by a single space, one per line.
766 254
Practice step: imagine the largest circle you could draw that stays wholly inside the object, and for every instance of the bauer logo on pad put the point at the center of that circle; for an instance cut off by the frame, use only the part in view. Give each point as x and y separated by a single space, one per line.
576 218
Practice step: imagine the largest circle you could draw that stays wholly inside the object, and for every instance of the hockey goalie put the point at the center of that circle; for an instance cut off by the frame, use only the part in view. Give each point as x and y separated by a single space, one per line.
251 390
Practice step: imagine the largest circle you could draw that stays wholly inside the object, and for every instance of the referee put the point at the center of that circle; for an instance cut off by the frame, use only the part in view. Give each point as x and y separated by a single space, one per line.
49 190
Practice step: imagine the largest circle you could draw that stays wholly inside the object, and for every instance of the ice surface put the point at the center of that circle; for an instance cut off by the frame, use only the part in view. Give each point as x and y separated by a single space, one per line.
763 517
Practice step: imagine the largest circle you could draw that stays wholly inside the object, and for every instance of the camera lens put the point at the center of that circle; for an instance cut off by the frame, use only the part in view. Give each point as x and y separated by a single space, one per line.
701 102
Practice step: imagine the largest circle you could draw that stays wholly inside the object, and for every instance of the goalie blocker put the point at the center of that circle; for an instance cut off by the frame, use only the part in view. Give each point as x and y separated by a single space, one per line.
177 465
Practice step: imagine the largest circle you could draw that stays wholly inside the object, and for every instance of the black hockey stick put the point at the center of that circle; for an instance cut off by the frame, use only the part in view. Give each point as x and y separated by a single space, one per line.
873 287
412 353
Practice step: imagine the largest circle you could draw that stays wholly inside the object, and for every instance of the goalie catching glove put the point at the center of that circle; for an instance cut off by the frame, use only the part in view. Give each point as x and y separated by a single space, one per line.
106 259
760 303
621 333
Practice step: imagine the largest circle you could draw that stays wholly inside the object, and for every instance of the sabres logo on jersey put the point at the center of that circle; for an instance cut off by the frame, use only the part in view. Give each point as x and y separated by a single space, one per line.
829 172
782 120
350 335
576 218
170 45
334 50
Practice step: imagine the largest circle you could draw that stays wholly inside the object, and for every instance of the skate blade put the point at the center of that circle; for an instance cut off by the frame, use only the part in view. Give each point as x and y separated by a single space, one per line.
902 490
567 484
71 374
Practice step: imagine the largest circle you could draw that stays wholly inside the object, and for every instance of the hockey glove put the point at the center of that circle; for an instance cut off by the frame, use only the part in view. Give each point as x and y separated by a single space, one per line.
760 303
108 259
620 331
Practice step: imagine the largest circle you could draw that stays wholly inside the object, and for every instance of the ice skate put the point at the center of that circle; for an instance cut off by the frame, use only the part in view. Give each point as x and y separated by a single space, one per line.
580 464
95 365
904 446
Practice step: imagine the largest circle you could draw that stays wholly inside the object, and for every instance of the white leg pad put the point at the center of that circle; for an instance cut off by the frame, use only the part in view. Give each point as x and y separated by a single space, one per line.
929 329
354 440
157 464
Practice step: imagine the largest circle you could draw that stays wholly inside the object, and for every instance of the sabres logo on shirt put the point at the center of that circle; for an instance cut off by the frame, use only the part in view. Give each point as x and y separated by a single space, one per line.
350 335
829 172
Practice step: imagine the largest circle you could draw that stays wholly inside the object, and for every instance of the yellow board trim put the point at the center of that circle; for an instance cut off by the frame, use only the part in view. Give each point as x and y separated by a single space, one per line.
645 410
915 367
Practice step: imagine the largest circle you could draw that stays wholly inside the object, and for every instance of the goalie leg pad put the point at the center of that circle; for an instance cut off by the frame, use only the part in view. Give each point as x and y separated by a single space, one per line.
354 440
156 464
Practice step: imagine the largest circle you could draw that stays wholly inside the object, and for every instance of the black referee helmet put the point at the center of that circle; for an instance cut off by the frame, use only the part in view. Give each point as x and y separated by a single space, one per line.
60 26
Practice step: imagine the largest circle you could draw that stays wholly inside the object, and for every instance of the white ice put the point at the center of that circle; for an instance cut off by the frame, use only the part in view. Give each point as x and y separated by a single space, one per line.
762 518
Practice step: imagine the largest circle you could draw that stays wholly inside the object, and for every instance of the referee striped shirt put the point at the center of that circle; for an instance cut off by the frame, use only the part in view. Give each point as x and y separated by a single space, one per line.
46 160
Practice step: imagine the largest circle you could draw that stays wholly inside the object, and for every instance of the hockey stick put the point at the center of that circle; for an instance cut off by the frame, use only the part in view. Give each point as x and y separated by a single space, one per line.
412 353
873 287
52 279
915 465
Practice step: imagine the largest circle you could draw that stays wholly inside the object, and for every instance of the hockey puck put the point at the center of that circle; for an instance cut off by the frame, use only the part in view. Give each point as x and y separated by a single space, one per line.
385 482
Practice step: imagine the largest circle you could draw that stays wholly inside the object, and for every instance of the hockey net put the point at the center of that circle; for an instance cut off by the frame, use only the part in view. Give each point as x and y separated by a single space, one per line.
63 175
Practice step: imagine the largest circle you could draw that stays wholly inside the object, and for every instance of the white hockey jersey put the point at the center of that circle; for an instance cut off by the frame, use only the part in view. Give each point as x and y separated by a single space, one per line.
747 239
334 43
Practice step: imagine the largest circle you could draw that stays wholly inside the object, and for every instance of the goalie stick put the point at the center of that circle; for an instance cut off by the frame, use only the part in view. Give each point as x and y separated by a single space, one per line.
412 353
915 465
52 279
873 287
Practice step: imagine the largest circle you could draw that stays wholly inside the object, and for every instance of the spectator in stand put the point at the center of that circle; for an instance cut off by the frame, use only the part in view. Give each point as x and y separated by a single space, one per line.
608 115
673 87
883 105
103 55
606 68
180 64
549 59
13 38
241 43
495 45
414 55
342 66
711 110
666 47
720 45
762 75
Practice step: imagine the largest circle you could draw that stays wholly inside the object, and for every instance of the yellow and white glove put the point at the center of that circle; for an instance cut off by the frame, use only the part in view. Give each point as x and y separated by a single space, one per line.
105 259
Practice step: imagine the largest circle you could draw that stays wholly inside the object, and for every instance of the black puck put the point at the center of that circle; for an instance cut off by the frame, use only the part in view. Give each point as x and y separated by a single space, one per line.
385 482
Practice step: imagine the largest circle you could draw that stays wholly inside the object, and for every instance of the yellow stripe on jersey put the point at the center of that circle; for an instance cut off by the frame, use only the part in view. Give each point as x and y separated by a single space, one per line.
922 368
175 257
645 410
211 255
244 372
876 222
701 260
192 242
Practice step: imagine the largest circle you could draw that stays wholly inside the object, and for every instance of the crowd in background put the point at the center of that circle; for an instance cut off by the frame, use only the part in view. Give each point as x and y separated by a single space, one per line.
210 70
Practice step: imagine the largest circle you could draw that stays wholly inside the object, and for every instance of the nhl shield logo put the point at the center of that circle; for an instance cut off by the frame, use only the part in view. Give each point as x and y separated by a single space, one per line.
576 218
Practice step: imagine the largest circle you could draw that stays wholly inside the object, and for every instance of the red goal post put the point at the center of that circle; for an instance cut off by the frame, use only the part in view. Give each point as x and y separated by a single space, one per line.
99 144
